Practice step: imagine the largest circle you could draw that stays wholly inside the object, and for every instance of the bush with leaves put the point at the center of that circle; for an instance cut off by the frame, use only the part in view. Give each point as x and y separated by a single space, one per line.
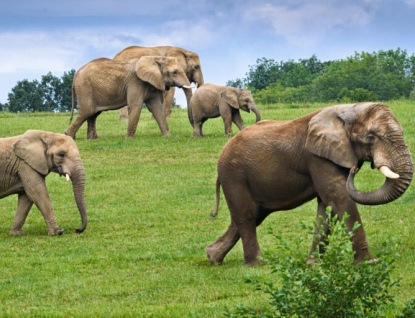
334 286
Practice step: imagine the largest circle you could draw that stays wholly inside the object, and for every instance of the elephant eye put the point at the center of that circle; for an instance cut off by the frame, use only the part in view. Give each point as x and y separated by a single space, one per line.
370 138
246 99
61 154
196 67
175 72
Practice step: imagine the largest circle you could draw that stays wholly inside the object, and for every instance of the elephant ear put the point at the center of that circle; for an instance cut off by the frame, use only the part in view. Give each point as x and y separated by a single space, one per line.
229 95
31 148
150 69
329 135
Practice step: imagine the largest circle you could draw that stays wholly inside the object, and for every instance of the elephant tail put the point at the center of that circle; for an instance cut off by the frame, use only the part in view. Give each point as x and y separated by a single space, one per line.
215 211
73 103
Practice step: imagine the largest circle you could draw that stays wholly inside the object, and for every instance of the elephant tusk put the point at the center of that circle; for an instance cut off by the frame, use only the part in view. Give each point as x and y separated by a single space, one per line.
67 177
189 86
388 173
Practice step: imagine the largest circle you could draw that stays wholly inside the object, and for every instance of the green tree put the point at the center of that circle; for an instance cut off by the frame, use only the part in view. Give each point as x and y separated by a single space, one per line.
26 96
50 94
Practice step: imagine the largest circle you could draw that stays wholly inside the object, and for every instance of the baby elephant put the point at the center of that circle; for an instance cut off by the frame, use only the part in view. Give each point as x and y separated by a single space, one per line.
26 160
211 101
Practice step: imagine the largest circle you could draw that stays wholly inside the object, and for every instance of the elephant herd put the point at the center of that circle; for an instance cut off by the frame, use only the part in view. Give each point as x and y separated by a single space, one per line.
149 75
269 166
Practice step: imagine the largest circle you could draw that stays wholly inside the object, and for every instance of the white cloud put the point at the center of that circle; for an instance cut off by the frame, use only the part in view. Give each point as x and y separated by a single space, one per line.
313 19
410 3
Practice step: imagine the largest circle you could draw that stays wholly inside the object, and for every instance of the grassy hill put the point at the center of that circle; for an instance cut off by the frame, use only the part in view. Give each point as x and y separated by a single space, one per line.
149 200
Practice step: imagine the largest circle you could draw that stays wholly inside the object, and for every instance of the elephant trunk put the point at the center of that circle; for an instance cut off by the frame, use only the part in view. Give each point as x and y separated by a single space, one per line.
394 186
78 183
255 110
199 81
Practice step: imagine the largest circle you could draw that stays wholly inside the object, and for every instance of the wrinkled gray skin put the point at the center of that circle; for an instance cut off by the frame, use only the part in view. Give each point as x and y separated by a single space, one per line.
211 101
273 166
188 60
26 160
104 84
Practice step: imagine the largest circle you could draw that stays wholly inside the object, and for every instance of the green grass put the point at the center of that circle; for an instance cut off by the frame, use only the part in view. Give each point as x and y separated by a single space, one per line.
149 200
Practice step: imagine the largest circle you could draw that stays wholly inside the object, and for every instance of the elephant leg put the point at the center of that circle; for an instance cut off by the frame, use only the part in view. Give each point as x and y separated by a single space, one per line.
24 204
156 107
92 130
35 188
124 113
246 214
321 231
217 251
168 101
74 127
133 117
237 119
359 240
198 127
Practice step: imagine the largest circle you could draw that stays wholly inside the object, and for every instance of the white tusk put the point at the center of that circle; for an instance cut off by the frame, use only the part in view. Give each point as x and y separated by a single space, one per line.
189 86
67 177
388 173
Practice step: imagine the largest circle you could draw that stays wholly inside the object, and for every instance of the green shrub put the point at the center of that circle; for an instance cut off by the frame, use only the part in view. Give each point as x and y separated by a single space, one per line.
334 286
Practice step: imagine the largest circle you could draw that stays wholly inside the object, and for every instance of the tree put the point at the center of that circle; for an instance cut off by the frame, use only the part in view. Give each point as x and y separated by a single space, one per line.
25 97
264 73
51 94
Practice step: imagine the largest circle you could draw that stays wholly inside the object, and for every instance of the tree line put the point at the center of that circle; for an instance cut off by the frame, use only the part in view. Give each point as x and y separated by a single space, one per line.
382 75
50 94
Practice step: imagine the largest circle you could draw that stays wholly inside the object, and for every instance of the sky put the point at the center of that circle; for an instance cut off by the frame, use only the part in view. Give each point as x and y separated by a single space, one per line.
41 36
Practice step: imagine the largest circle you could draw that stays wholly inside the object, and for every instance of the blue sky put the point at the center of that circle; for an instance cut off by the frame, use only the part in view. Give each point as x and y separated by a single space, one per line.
40 36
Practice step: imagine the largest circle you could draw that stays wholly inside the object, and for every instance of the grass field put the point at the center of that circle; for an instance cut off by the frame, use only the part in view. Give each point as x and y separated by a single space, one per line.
149 200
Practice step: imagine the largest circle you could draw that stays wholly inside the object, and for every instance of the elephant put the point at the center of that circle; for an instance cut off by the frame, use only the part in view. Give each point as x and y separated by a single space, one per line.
26 160
188 60
211 101
105 84
274 166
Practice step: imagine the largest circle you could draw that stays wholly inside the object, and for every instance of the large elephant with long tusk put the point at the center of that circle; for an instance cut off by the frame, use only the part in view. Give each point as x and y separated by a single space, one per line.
26 160
188 60
104 84
273 166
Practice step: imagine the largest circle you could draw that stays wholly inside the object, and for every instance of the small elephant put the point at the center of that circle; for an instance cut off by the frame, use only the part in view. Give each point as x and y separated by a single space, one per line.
188 60
273 166
26 160
211 101
104 84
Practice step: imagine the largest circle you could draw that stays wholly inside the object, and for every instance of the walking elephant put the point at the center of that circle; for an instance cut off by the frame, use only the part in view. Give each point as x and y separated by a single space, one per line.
188 60
211 101
26 160
104 84
272 166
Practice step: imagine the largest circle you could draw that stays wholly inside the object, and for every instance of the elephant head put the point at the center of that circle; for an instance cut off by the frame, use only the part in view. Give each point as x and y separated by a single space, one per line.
240 98
49 152
348 135
161 72
190 63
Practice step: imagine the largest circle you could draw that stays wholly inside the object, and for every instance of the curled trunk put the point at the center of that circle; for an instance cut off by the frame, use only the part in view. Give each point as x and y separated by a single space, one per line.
78 183
391 189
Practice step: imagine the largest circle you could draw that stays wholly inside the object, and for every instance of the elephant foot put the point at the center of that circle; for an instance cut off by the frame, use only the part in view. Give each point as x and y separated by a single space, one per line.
254 262
70 134
362 256
167 134
94 136
17 232
212 254
57 231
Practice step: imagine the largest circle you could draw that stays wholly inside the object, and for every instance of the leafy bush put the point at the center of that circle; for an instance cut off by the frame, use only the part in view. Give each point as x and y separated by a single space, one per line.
334 286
